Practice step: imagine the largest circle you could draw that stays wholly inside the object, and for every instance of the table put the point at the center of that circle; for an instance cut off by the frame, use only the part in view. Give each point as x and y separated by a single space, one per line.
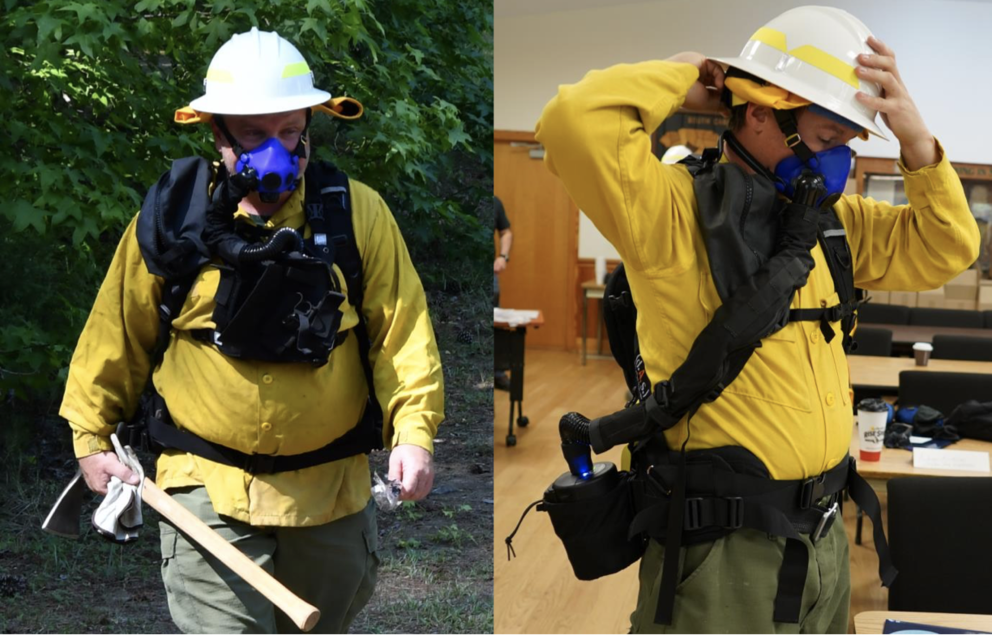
869 372
873 621
896 462
508 354
596 291
905 334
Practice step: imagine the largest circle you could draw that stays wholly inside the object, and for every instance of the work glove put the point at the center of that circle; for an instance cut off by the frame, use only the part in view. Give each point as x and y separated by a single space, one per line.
118 518
218 233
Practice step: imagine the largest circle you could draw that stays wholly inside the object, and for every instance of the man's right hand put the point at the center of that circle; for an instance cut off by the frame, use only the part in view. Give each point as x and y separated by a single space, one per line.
704 95
98 468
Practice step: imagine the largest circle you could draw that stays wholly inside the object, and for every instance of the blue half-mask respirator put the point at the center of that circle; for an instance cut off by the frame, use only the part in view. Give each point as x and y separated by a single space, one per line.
834 165
270 168
273 167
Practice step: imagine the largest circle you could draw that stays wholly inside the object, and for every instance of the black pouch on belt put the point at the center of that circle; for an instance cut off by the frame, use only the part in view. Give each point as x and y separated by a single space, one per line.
592 518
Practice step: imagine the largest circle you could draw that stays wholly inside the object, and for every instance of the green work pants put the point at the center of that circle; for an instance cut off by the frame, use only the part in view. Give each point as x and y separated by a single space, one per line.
331 566
729 586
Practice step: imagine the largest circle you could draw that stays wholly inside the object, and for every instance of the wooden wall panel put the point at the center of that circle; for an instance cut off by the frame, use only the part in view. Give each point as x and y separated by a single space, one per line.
545 225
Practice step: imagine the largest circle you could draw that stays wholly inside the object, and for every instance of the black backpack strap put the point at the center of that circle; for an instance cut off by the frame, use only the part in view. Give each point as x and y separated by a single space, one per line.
837 251
328 190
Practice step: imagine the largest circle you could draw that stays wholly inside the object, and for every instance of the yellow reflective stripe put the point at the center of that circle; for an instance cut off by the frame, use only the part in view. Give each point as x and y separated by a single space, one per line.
215 75
810 54
294 69
771 37
827 63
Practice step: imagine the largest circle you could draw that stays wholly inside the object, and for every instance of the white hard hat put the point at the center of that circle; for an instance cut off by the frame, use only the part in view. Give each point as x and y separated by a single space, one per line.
812 52
675 154
257 73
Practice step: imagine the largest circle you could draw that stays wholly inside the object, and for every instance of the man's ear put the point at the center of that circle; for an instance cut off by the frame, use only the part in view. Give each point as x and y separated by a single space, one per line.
758 117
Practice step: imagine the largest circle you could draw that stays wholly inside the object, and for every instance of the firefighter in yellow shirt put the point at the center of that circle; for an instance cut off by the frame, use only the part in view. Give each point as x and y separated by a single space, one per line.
296 339
804 86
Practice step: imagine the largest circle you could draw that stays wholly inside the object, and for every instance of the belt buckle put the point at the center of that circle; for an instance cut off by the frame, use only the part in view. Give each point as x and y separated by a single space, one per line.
825 522
812 490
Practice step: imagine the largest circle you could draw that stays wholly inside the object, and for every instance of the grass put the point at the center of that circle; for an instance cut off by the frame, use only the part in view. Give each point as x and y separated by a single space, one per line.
436 573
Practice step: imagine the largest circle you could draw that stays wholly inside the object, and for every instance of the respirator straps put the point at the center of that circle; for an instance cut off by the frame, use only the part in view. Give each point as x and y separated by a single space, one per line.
787 123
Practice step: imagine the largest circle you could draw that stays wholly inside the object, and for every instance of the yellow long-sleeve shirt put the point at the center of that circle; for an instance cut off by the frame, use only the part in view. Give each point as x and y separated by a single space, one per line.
791 405
262 407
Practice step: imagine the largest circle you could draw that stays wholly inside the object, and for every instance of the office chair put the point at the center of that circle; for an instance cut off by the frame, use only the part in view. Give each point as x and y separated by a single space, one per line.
962 347
883 314
942 390
874 341
946 317
939 530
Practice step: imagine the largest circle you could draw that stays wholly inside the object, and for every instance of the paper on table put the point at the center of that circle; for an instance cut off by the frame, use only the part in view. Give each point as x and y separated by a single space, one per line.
951 460
513 317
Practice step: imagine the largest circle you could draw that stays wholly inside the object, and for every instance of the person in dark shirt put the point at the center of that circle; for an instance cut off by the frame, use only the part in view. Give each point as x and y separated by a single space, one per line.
502 226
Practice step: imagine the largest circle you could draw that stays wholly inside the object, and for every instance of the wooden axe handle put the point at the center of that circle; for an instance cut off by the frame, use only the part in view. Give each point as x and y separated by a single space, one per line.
303 615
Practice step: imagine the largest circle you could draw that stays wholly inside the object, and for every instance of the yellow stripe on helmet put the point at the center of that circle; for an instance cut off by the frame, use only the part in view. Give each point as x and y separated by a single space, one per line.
217 75
295 69
810 54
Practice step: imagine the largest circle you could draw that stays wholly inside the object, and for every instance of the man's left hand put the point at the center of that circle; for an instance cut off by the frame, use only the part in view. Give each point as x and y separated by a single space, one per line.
413 467
896 106
499 264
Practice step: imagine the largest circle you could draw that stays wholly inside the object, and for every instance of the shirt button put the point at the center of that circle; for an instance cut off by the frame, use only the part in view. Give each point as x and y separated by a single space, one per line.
830 399
267 379
815 336
266 426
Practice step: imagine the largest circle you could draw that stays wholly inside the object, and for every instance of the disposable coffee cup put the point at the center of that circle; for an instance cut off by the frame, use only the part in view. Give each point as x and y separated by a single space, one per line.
922 351
872 414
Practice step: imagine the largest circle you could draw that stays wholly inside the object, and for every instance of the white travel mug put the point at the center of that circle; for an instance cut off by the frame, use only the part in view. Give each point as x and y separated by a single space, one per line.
872 415
922 351
600 270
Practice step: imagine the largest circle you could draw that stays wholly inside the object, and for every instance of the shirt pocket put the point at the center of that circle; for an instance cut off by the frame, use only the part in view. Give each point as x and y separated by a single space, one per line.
775 373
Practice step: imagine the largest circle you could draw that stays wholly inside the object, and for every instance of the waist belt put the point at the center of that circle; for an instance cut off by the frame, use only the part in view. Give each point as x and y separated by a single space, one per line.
706 502
162 433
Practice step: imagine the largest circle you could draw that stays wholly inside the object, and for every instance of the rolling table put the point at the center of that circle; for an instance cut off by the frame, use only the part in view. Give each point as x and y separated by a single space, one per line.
508 354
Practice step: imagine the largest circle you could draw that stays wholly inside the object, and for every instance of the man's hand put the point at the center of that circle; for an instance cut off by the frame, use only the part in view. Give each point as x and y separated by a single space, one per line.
98 468
413 467
704 95
499 264
896 106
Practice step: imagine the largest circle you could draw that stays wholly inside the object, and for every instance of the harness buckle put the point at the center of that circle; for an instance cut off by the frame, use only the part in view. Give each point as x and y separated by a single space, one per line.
259 464
812 490
793 140
693 514
662 393
735 512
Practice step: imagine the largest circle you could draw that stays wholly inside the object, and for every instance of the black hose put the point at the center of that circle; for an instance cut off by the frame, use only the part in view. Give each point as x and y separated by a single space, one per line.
574 428
276 244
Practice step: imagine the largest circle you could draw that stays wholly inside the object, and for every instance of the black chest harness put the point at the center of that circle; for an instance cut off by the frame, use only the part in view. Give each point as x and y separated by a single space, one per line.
679 497
280 305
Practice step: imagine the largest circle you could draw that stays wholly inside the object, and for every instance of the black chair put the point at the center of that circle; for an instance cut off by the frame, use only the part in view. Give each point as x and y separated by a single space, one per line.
939 532
941 390
946 317
872 313
988 319
872 341
977 349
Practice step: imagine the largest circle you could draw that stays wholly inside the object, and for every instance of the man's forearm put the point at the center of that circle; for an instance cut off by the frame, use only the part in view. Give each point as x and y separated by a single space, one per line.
505 242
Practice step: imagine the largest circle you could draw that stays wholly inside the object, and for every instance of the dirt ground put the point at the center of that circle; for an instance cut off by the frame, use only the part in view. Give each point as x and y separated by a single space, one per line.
437 566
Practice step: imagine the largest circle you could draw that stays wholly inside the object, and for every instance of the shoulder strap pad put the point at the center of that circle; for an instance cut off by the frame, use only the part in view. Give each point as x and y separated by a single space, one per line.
172 219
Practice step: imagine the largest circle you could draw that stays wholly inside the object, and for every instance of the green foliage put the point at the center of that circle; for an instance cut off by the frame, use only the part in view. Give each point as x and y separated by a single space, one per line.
89 89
